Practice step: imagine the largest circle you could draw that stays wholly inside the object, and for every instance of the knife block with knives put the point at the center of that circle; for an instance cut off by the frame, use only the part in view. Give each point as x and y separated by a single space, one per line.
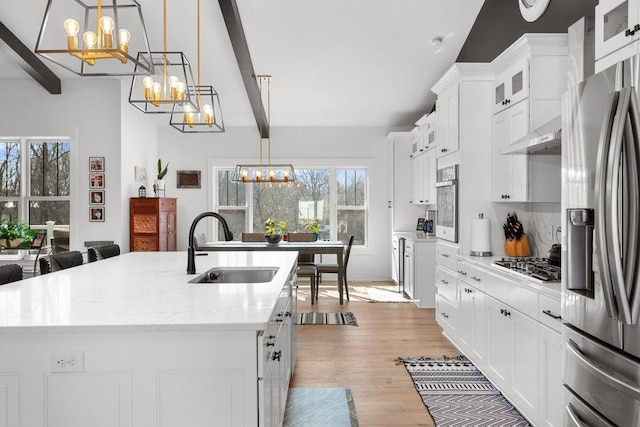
516 243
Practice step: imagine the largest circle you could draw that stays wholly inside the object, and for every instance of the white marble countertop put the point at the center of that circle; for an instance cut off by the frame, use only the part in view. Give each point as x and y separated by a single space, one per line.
553 289
146 291
416 236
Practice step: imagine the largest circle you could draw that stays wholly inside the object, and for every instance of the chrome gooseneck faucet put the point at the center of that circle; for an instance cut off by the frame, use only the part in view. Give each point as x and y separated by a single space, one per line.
191 251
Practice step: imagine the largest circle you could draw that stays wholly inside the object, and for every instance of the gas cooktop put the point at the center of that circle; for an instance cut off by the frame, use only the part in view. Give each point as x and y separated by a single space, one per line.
535 268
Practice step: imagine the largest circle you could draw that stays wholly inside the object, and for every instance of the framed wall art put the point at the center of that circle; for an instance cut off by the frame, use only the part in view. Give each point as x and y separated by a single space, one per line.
188 179
96 180
140 174
96 197
96 164
96 214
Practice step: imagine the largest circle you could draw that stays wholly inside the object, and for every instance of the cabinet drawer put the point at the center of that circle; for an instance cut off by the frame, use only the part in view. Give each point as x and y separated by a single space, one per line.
447 316
549 312
446 255
497 287
167 204
471 274
523 299
446 283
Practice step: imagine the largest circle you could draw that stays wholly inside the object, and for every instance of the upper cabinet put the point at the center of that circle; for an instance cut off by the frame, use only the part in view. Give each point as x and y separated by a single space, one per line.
448 117
424 133
531 76
617 30
511 86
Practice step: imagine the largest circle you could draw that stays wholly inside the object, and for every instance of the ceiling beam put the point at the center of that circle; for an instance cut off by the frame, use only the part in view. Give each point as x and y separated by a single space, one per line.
31 63
232 20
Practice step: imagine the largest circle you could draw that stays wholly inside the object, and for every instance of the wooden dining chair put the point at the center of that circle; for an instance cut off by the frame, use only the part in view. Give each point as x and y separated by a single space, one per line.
334 268
306 262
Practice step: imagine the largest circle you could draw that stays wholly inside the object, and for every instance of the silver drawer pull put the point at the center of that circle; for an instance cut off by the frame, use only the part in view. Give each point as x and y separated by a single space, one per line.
444 281
445 315
477 279
445 255
550 314
464 273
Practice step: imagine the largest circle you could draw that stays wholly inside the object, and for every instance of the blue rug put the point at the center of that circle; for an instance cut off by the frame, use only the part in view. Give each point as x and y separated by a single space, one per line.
320 407
457 394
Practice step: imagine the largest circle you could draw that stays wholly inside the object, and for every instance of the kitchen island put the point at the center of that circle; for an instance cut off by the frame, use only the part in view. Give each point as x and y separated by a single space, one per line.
127 341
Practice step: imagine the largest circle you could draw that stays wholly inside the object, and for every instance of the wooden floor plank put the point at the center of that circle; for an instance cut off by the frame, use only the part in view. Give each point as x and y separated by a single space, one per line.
362 358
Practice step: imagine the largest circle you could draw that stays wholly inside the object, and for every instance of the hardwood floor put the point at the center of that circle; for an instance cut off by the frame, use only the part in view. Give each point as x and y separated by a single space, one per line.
362 358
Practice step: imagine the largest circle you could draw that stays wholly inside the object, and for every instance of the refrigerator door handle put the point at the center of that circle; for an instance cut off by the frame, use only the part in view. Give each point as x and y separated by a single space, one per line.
600 212
601 372
632 203
575 419
620 130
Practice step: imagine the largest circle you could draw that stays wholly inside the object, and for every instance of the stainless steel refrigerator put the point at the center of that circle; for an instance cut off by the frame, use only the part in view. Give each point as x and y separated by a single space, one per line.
600 251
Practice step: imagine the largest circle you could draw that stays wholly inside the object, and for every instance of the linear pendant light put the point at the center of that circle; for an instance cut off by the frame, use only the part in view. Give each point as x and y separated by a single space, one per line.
168 86
209 118
261 173
110 30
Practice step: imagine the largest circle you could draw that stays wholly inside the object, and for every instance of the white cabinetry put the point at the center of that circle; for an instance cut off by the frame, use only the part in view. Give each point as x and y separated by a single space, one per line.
409 273
446 289
447 139
423 172
617 31
531 77
511 332
471 334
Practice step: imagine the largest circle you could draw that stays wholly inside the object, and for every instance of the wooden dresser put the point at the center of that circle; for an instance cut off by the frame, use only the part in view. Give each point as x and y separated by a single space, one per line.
152 224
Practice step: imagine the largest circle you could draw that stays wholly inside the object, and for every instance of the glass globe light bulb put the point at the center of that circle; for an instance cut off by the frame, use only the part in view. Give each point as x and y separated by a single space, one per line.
71 26
157 88
208 114
173 84
147 82
107 24
180 86
90 39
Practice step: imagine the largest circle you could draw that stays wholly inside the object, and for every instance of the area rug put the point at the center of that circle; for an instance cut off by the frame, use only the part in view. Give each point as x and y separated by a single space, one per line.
386 295
320 407
457 394
346 318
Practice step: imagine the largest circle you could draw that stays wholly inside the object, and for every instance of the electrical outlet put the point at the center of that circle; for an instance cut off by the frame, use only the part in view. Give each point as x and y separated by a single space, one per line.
70 361
550 232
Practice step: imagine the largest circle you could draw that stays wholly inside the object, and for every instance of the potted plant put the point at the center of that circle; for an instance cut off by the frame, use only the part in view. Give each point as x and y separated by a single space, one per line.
311 225
15 233
273 230
159 182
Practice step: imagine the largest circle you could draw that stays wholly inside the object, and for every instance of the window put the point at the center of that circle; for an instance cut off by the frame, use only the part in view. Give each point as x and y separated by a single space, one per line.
35 181
335 197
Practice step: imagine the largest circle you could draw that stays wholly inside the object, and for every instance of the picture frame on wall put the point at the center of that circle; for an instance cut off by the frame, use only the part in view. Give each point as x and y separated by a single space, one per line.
188 179
140 174
96 180
96 214
96 164
96 197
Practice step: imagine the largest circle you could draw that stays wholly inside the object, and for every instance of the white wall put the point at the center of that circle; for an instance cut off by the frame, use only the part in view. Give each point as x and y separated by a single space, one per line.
139 142
88 112
343 145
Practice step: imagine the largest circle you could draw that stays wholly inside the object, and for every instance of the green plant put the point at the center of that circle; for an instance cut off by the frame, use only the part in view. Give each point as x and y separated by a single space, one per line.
162 172
311 225
273 227
14 230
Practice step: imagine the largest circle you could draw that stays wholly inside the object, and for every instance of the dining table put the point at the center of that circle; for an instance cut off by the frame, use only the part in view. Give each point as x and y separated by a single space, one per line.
331 247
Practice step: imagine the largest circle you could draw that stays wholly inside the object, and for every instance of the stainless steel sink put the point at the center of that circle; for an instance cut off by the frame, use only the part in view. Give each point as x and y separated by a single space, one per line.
237 275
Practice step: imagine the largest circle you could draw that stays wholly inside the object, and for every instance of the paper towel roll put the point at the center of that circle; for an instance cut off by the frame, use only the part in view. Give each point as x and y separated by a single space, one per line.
480 237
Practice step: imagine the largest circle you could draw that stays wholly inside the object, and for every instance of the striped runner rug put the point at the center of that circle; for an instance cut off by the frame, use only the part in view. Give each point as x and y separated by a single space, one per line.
346 318
456 393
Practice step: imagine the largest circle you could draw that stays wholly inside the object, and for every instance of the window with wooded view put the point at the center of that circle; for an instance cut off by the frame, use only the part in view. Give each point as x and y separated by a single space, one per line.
336 197
35 181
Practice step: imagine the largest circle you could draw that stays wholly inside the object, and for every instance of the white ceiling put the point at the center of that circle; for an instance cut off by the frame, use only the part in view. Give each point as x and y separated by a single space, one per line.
333 62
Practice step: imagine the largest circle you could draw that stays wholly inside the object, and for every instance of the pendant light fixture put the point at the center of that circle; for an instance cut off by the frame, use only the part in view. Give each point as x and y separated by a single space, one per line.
208 117
265 172
168 85
99 36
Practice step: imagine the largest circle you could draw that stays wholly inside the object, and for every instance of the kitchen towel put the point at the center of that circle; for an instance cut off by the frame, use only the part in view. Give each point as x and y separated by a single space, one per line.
481 237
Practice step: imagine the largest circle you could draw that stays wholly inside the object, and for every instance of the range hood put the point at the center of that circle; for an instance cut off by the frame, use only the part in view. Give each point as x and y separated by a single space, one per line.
544 140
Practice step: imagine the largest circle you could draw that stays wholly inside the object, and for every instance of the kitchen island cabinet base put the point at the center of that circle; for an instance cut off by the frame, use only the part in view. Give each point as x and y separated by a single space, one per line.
153 378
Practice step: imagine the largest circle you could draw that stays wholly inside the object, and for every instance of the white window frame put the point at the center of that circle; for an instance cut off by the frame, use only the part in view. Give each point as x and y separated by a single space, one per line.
333 165
25 173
